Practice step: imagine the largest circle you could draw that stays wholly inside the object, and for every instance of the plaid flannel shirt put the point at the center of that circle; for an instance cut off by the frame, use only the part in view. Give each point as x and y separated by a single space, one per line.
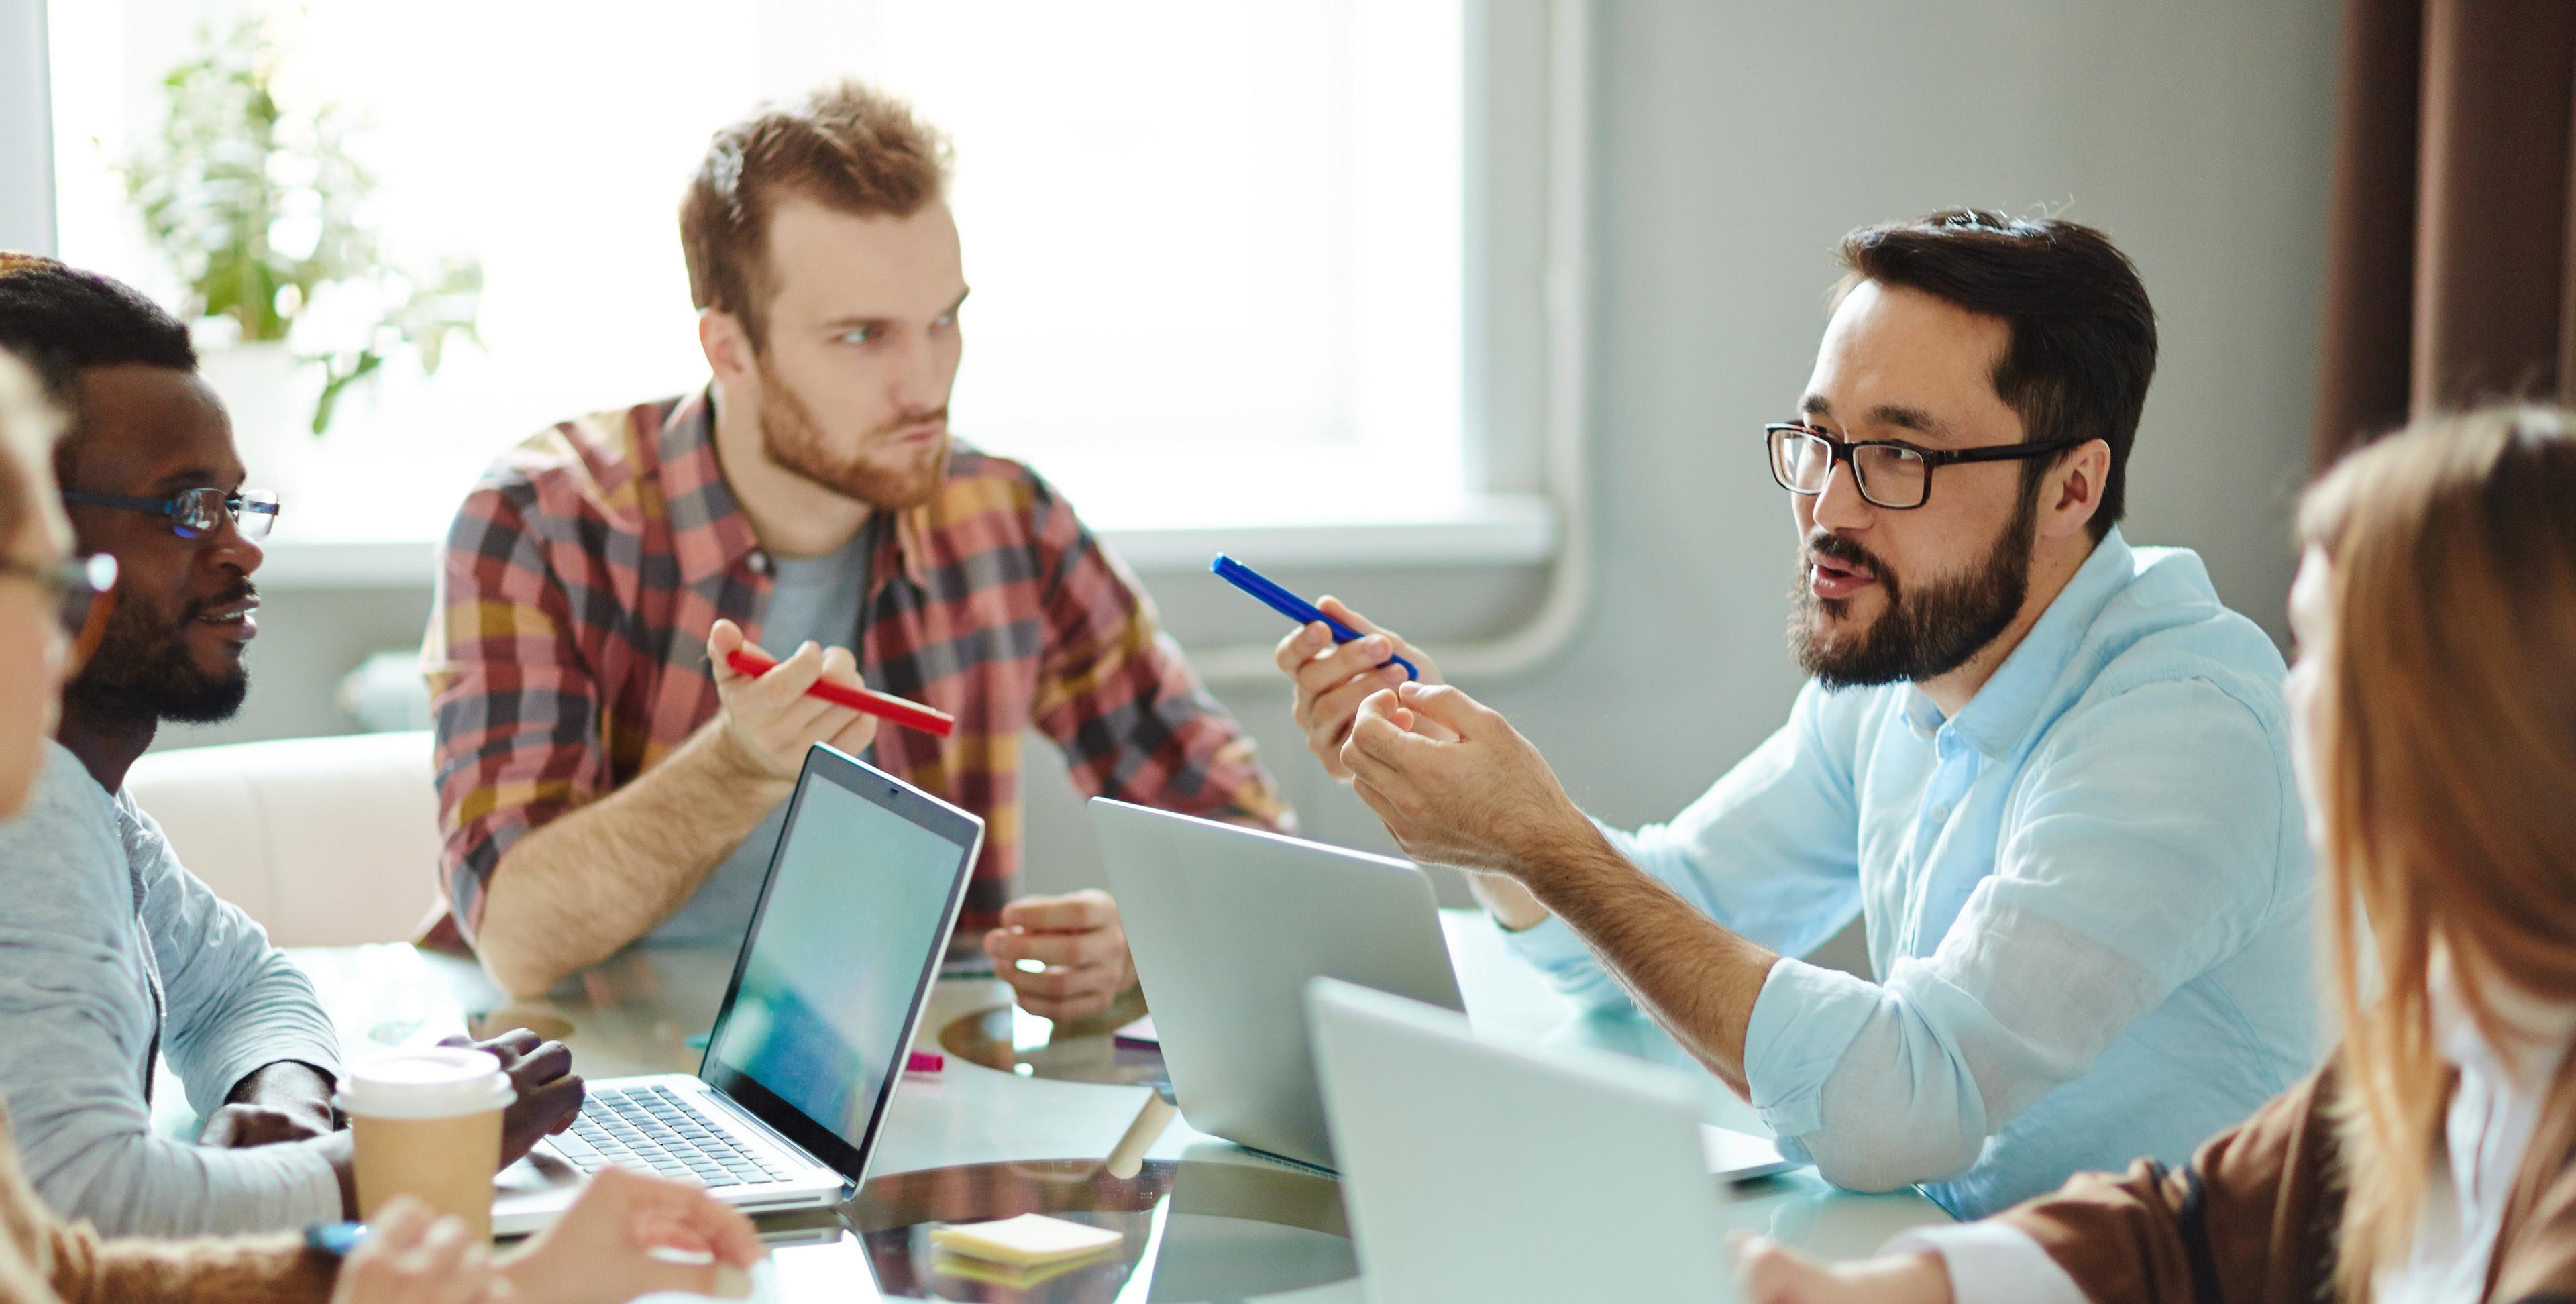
567 647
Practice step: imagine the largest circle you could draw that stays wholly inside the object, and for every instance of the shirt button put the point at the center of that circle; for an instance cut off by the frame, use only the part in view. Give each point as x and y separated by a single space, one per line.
759 563
1940 813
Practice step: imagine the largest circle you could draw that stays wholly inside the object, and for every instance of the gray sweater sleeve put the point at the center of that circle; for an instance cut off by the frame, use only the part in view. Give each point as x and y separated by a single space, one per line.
77 1023
235 1002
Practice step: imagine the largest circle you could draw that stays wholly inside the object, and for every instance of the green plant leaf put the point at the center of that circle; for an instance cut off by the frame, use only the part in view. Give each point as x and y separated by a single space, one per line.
339 381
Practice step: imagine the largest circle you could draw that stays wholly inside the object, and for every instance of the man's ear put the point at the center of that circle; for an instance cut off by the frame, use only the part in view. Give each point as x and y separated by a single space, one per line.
2073 493
727 346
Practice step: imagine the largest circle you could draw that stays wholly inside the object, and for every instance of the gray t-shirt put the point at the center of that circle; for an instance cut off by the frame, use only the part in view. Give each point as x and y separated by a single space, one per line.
810 599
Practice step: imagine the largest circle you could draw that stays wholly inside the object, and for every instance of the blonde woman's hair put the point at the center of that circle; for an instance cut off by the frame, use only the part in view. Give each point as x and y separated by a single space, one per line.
2445 756
29 425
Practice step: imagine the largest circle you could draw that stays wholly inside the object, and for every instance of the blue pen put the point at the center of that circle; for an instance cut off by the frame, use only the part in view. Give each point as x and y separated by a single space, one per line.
1290 605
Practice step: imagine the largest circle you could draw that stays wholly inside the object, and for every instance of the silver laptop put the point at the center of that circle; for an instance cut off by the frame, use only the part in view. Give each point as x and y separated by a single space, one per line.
1478 1171
1228 925
843 950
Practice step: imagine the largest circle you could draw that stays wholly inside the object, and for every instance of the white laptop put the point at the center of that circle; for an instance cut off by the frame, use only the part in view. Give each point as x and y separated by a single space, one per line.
810 1042
1485 1172
1228 925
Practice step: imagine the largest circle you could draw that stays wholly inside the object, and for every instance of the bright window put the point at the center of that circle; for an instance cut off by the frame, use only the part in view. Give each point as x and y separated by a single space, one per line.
1215 245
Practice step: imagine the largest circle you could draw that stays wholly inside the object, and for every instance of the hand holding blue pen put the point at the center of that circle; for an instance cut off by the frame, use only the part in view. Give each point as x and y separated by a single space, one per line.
1290 605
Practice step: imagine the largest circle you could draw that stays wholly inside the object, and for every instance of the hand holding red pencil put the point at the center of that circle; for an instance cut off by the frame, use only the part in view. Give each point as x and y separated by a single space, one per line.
770 719
858 697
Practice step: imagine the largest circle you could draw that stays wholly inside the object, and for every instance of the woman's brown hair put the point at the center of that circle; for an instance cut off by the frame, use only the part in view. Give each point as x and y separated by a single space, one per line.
2444 749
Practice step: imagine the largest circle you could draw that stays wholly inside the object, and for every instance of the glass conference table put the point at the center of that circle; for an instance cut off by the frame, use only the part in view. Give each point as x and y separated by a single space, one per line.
1020 1120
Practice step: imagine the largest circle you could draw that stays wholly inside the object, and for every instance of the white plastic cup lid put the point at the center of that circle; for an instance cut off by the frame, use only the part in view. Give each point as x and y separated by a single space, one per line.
438 1082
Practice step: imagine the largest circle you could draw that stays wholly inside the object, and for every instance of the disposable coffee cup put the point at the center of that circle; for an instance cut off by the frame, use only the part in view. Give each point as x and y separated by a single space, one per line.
427 1124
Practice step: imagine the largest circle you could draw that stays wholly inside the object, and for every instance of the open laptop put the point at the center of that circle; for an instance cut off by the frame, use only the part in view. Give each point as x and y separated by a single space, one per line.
843 951
1477 1171
1227 926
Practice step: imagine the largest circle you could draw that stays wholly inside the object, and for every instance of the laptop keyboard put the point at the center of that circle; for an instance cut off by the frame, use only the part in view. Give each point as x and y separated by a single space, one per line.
654 1128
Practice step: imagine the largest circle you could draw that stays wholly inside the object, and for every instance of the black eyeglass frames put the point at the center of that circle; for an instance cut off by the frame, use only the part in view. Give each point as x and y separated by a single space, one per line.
1888 474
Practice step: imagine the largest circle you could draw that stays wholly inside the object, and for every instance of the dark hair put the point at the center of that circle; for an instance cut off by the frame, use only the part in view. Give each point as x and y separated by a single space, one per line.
848 147
2083 333
64 321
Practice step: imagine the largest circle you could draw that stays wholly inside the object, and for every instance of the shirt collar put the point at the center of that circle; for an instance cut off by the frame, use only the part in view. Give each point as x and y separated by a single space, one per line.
710 534
1997 718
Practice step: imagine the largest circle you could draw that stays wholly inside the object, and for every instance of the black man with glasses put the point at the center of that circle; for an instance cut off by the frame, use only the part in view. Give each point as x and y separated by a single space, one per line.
2049 771
112 955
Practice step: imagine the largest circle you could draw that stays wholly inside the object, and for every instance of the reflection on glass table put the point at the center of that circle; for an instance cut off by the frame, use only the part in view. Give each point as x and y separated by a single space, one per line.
1216 1225
1008 1039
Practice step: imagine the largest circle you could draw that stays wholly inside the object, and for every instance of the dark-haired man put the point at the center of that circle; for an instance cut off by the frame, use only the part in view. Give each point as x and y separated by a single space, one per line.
2050 771
111 953
605 776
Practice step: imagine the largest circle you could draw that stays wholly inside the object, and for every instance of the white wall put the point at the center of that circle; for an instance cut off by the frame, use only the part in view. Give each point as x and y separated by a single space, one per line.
26 131
1735 142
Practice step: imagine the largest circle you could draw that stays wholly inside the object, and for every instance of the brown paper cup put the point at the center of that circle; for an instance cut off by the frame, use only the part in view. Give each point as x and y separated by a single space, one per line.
428 1124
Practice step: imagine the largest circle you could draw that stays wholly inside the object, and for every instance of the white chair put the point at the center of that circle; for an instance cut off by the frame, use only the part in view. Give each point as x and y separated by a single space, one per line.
326 841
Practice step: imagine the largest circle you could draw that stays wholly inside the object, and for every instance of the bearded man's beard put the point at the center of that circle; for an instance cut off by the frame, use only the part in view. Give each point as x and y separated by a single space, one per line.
795 441
1919 636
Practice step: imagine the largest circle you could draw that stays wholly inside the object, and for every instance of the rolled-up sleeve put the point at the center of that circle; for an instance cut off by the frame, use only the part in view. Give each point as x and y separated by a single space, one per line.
1771 851
2123 873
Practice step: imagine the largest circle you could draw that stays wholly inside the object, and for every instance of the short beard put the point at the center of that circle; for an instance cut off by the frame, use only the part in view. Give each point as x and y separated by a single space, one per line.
1924 636
795 441
142 671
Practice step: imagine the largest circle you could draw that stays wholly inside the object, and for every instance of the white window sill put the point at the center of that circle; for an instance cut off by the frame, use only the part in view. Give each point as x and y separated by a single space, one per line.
1479 531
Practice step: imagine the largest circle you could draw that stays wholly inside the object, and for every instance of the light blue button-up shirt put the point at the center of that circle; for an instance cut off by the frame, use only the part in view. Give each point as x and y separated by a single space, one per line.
2086 897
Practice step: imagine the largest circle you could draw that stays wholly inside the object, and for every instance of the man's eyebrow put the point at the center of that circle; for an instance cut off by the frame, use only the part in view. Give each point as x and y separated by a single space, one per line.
194 477
1814 405
1915 419
861 319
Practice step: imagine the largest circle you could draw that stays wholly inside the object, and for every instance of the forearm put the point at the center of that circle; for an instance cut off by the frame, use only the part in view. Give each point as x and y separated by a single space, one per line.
291 1085
142 1185
573 892
1697 979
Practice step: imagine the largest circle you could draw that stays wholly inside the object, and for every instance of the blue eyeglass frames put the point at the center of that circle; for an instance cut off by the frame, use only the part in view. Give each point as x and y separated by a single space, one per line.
196 513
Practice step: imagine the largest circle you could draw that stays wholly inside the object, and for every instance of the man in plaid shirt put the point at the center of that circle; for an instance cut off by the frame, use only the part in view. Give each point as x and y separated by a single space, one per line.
604 776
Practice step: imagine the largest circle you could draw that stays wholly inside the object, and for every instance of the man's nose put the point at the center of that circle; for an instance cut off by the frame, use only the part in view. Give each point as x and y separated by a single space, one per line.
914 384
1840 507
229 548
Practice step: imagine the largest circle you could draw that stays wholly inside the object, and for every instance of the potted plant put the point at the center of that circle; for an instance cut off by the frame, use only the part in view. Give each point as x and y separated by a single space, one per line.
264 212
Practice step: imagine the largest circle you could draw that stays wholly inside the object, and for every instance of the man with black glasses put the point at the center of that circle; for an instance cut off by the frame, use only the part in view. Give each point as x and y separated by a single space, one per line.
112 955
2049 771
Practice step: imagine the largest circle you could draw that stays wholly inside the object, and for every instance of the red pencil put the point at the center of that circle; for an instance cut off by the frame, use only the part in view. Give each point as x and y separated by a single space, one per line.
884 706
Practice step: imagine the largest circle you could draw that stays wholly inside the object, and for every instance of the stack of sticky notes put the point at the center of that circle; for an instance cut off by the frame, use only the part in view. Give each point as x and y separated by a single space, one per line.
1021 1251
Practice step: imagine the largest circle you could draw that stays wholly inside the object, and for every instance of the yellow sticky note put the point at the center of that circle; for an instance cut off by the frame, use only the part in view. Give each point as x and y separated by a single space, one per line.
1026 1241
949 1263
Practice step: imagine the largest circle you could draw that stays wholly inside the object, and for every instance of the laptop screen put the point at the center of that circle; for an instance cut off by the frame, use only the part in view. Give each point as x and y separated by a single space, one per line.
848 936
